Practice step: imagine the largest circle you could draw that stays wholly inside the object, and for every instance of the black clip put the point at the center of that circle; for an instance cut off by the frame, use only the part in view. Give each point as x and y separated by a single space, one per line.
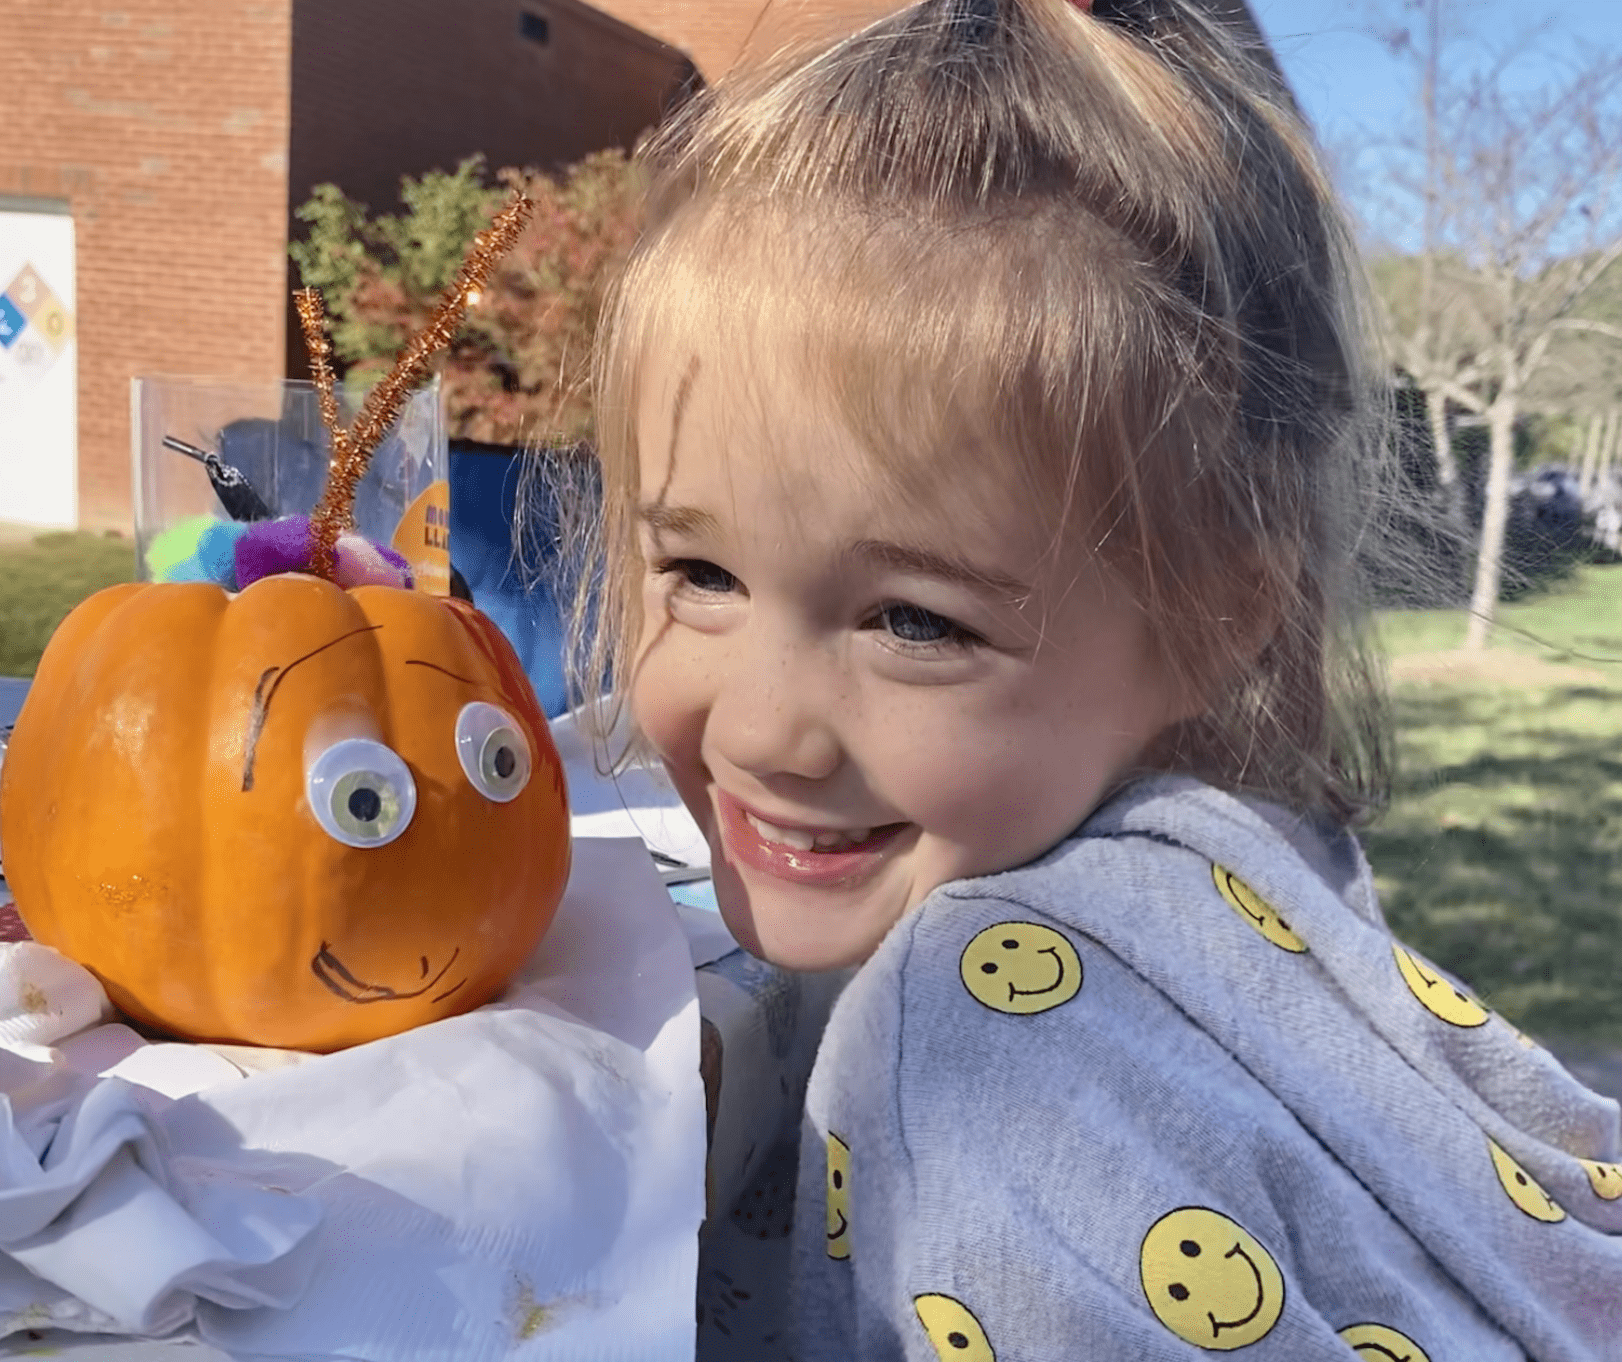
233 489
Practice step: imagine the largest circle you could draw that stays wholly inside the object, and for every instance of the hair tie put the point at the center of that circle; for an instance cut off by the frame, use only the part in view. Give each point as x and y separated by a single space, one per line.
1085 6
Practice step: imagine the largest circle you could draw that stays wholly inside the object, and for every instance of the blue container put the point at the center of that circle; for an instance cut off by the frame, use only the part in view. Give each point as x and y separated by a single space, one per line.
484 485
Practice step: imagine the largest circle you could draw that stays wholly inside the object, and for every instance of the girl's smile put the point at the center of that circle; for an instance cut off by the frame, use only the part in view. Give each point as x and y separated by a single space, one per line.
805 854
861 693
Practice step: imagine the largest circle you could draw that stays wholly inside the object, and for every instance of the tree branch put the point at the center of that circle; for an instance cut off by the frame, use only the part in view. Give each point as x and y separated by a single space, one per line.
1581 324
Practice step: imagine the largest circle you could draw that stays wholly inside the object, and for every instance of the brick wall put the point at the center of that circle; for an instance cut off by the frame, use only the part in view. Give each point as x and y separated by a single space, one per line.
387 88
164 125
714 33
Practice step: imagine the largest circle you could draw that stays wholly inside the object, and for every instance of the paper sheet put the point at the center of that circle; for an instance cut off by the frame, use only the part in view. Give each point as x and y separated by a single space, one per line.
639 801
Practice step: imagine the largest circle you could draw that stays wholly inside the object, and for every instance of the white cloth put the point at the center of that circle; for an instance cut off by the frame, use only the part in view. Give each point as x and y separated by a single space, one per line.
523 1181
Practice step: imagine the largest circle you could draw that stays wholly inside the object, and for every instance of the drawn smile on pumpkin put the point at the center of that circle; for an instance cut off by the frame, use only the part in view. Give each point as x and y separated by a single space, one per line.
332 972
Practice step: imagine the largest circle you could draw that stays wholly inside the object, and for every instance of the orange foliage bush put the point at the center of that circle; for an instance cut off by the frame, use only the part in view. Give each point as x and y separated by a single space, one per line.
520 369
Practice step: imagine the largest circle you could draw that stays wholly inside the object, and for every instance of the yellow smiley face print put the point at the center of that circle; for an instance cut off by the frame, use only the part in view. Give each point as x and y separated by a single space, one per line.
838 1197
1441 999
1382 1343
1523 1189
1604 1178
1209 1280
953 1330
1020 968
1256 910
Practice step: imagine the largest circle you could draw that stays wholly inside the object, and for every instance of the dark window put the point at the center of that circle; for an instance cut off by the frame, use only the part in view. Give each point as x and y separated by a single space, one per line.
534 27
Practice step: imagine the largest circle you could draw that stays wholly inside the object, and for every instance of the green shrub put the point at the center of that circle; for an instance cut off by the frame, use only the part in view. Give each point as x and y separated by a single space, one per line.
520 368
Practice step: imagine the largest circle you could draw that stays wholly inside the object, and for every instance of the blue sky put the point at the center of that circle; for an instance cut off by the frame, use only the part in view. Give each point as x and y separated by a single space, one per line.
1362 97
1349 83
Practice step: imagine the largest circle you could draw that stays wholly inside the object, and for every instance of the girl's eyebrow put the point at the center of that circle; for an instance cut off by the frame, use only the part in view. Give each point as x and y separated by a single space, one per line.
690 521
270 681
663 518
905 558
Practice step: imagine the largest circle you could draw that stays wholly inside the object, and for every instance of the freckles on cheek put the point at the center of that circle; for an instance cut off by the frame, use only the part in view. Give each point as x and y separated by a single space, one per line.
668 698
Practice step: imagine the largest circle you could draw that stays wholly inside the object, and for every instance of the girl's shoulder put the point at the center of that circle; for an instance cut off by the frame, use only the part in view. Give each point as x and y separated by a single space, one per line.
1177 920
1180 1013
1185 883
1141 967
1181 917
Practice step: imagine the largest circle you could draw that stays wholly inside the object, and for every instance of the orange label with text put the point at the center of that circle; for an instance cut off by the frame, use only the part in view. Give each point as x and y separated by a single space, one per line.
423 538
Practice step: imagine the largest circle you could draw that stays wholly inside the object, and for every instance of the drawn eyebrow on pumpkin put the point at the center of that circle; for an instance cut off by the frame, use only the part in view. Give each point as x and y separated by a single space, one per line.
434 666
262 697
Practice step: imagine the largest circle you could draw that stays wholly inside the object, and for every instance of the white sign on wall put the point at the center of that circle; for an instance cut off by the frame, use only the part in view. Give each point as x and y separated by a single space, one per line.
38 370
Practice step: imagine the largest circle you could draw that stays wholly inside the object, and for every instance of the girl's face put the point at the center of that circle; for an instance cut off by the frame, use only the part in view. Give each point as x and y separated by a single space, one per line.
862 695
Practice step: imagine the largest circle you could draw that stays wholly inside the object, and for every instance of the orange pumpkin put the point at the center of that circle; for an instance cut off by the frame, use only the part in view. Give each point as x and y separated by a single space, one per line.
299 816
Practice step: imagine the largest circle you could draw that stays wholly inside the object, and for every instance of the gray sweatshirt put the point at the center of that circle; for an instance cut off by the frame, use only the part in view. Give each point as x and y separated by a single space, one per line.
1172 1090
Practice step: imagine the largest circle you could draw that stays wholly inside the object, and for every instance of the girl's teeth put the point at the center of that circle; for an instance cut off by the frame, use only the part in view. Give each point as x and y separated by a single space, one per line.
789 837
806 841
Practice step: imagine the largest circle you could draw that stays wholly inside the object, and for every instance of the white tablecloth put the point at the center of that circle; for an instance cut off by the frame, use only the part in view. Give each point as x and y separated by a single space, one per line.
525 1180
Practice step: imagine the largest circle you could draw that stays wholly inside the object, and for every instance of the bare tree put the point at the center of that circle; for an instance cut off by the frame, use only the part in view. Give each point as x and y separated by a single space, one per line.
1519 187
1426 338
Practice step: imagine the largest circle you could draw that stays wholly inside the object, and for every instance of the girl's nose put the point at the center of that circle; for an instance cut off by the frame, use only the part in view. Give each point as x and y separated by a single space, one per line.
774 716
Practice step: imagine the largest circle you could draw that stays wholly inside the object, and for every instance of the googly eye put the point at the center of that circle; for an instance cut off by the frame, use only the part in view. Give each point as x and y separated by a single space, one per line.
492 750
361 793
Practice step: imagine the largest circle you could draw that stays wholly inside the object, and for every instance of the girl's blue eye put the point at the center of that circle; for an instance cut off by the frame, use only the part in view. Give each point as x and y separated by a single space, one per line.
914 624
702 575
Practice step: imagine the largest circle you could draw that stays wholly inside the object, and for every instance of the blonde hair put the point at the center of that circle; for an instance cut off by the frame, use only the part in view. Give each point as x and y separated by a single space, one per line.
1104 244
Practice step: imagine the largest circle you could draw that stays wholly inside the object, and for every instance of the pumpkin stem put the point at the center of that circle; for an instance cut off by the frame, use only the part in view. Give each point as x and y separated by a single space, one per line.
352 449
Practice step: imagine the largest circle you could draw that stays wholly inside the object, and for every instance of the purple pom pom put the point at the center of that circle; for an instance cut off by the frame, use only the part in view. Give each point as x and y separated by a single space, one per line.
272 546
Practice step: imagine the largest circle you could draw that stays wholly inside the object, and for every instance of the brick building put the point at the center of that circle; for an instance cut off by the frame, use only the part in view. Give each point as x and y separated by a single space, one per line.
159 130
716 33
152 152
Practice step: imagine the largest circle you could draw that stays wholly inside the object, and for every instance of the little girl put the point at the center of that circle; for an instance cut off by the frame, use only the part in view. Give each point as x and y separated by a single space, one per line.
985 445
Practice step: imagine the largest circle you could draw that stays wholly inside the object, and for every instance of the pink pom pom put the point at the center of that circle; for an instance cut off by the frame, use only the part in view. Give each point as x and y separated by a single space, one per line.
361 562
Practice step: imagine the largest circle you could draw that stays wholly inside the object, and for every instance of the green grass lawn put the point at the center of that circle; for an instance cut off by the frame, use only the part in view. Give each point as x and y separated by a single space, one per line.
1501 856
42 580
1579 624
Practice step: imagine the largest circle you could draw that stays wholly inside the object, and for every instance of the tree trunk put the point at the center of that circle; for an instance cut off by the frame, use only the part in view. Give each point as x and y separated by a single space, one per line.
1588 470
1447 468
1494 515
